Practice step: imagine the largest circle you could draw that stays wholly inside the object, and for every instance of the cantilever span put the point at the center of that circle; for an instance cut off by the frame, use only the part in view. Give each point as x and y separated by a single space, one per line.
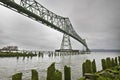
37 12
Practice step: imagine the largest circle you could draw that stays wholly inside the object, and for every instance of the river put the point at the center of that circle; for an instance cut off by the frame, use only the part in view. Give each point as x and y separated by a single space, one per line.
12 65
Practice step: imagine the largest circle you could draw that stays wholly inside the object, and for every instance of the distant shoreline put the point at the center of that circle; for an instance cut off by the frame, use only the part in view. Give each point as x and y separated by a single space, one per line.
105 50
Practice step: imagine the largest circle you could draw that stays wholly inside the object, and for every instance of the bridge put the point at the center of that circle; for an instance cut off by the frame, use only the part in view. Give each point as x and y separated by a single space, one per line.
37 12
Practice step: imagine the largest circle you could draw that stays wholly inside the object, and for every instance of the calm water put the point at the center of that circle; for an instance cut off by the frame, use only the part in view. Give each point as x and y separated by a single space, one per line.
10 66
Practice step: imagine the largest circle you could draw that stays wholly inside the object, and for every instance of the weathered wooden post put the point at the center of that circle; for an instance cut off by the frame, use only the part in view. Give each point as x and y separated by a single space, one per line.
113 62
103 64
58 75
83 68
94 66
116 62
119 59
17 76
88 66
51 72
34 74
108 62
39 54
67 73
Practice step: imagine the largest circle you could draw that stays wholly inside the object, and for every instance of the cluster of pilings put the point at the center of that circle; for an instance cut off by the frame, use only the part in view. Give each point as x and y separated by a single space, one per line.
40 54
110 69
109 63
51 54
52 74
18 76
89 67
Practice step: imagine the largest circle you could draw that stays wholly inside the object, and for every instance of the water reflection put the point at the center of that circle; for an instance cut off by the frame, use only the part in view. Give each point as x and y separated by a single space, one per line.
10 66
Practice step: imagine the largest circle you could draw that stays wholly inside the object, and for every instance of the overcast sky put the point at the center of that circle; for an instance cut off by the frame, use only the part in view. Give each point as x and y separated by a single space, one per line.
98 21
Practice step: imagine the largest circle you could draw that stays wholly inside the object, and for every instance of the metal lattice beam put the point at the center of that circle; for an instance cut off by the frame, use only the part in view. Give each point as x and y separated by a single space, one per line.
36 11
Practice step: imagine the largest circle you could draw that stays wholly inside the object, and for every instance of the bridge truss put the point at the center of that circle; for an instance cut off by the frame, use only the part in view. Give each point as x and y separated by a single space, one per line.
37 12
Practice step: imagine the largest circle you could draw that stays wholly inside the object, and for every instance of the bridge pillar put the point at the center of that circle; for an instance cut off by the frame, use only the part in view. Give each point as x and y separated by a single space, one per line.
66 44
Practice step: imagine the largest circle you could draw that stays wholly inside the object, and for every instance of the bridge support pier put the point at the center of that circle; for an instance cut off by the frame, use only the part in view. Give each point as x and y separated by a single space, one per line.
66 45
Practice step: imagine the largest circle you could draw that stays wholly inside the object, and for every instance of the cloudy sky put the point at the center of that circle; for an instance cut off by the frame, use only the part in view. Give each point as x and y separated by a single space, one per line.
98 21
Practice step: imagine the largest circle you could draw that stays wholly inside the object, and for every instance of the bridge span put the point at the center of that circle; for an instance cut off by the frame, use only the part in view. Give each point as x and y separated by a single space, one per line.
37 12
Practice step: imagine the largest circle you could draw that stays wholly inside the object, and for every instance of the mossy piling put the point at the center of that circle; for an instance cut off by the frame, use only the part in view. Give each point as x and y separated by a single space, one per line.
67 73
110 69
17 76
53 74
89 67
34 75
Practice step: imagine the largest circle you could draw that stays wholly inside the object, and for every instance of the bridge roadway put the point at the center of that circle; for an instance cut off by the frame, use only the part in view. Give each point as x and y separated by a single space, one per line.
37 12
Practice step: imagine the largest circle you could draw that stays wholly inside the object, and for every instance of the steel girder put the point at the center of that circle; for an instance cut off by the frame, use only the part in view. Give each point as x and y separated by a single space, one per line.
36 11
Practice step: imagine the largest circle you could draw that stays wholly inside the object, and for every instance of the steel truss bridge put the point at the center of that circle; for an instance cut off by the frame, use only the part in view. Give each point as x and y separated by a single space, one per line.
37 12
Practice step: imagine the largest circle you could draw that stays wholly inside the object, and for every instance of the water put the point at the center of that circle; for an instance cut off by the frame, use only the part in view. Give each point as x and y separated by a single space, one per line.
10 66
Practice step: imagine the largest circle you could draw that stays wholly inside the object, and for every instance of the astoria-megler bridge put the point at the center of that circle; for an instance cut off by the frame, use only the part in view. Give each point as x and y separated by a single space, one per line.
37 12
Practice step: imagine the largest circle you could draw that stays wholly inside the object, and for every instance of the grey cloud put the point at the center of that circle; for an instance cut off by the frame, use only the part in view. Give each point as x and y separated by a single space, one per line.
1 32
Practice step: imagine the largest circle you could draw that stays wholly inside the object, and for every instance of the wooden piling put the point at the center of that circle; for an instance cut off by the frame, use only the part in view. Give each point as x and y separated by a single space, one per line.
34 74
67 73
17 76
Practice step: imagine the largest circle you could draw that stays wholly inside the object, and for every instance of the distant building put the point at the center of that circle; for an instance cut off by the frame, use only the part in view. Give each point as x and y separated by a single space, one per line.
10 48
